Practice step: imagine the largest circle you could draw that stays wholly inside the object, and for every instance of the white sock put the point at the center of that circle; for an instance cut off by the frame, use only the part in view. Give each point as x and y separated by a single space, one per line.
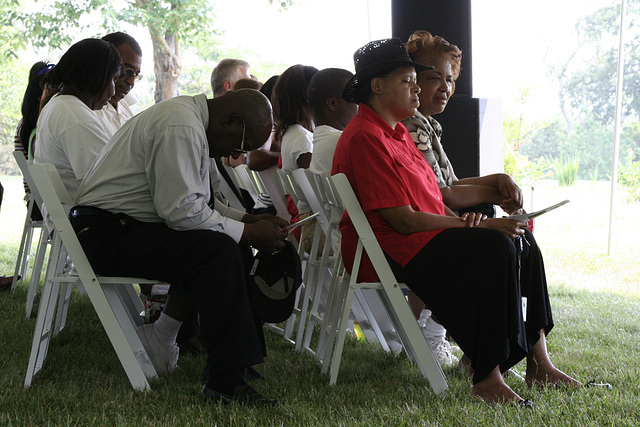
424 315
166 329
433 330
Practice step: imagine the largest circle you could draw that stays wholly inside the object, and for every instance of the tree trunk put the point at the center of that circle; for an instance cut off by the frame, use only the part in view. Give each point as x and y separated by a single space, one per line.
166 65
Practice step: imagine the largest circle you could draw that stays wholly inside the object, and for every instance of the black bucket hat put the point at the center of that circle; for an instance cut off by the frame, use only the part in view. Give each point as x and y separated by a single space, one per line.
275 278
374 59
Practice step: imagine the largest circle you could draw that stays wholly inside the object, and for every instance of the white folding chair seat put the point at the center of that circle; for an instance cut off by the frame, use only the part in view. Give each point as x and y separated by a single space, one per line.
390 295
114 298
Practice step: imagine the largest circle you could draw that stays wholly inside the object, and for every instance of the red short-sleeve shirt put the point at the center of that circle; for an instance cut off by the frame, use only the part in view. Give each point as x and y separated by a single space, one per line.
385 170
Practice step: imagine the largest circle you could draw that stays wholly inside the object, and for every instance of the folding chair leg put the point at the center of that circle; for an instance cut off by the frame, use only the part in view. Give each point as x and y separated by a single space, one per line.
22 262
119 300
333 309
63 308
315 316
312 280
122 335
132 303
416 346
306 296
34 283
363 312
342 331
43 329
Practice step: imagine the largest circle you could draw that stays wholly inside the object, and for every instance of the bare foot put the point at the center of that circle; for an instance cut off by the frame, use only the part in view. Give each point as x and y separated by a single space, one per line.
493 389
548 375
494 393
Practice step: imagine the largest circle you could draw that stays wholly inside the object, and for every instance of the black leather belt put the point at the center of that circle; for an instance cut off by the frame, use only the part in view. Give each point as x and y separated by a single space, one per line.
78 211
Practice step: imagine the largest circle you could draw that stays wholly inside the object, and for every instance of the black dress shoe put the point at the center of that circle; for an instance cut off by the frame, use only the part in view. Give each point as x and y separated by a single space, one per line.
243 394
251 374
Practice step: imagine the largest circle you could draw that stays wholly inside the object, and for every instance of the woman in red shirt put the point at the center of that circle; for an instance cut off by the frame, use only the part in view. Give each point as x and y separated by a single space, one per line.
464 268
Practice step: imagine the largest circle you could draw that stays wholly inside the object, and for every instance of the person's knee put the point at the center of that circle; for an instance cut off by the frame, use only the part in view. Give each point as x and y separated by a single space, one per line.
219 247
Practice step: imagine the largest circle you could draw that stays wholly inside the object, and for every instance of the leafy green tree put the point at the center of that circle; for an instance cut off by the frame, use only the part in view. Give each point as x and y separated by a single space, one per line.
591 143
174 25
546 142
588 78
171 24
13 79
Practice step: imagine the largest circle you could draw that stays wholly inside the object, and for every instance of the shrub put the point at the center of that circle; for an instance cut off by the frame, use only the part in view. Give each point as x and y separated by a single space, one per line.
566 172
629 177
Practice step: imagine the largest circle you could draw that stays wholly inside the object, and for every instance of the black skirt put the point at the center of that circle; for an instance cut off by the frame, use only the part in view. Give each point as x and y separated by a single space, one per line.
473 280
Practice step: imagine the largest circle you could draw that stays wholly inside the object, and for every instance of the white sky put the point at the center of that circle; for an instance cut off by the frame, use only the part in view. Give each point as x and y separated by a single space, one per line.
513 40
321 33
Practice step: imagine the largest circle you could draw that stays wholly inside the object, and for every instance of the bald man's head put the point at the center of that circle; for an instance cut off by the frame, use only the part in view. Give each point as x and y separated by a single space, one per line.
243 111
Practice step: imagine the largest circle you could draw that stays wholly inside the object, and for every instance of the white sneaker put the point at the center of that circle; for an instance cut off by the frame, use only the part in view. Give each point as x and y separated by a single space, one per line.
442 352
164 359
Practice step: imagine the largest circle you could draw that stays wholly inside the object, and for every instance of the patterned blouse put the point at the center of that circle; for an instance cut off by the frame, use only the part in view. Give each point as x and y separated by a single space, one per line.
426 133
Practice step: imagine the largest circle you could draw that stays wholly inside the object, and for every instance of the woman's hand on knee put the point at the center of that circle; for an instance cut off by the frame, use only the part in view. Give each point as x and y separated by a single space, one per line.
473 219
509 227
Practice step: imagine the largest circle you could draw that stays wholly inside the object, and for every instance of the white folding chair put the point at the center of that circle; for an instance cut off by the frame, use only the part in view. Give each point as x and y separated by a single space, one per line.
316 261
366 308
114 298
389 291
30 226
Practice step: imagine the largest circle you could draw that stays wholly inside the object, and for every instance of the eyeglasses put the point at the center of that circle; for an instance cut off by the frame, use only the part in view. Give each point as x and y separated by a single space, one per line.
129 72
241 150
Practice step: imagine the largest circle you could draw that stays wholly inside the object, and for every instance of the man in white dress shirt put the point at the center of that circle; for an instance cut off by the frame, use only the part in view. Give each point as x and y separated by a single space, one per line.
142 211
118 110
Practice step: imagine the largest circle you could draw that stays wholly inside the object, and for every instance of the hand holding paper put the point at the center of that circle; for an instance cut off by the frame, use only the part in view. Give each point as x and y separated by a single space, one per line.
531 215
291 227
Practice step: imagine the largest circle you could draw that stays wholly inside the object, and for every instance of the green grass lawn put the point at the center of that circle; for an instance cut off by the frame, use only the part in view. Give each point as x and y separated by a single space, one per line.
596 301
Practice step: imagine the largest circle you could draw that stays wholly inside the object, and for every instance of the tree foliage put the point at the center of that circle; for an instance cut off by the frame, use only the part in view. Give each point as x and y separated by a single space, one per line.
10 38
590 142
588 84
172 25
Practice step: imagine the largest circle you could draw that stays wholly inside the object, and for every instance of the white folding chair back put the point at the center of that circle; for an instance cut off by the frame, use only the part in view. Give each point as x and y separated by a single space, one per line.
114 298
389 290
228 193
24 253
246 178
276 192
